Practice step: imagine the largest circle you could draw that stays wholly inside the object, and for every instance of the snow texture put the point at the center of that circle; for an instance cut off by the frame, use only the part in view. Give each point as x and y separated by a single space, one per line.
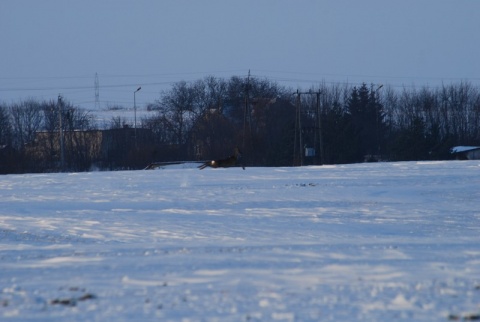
362 242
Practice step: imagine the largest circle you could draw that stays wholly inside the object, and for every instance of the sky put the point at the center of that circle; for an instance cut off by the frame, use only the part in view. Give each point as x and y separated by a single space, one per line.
53 47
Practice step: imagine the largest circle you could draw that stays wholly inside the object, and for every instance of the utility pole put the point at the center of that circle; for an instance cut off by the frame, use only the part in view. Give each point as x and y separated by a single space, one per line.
298 126
97 92
377 112
62 148
135 115
298 129
320 135
246 111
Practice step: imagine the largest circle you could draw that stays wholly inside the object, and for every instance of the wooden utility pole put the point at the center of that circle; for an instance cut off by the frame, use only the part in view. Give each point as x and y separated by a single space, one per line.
60 129
320 135
246 111
298 127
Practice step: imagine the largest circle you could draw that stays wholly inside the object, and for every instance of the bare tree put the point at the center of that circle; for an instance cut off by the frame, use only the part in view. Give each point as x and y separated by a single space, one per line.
82 142
8 157
177 106
5 127
27 120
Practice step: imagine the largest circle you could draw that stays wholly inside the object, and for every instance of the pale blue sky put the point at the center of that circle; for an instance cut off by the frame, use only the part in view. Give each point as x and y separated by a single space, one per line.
56 46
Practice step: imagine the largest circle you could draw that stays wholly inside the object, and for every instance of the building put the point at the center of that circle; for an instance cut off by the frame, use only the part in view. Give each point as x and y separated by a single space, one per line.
122 148
466 152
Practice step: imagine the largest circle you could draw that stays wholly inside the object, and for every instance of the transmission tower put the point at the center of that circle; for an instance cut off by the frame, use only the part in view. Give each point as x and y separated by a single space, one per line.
97 92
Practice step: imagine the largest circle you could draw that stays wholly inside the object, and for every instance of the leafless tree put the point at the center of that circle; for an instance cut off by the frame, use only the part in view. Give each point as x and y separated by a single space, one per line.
26 120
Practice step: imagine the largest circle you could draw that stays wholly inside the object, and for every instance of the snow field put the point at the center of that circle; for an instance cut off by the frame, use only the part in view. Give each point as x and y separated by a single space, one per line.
362 242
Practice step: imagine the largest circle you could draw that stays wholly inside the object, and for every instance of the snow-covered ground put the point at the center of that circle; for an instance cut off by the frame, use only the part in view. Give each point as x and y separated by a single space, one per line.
363 242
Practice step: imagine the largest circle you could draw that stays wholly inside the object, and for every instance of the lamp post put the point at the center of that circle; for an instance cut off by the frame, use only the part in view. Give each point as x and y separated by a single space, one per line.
135 114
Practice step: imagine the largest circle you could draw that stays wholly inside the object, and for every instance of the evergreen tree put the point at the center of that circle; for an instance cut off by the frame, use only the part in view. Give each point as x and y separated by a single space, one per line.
411 142
366 115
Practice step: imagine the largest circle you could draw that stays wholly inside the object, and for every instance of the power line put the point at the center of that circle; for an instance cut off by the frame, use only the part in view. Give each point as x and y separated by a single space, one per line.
40 86
324 79
330 75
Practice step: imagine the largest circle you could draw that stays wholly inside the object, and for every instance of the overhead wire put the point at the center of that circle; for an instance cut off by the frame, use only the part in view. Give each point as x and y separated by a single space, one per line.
291 78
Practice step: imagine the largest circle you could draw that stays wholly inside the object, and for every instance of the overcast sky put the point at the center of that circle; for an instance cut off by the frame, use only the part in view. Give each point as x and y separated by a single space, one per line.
51 47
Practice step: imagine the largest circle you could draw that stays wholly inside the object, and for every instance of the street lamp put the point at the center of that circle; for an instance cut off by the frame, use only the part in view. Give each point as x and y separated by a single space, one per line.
135 113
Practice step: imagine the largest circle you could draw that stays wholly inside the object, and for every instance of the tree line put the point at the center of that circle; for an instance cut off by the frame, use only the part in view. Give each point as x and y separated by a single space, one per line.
271 124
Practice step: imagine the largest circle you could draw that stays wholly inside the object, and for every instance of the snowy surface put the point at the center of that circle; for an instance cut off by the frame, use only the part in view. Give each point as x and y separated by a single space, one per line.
362 242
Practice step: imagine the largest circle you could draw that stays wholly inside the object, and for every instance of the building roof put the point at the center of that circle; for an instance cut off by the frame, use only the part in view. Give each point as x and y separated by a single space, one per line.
463 148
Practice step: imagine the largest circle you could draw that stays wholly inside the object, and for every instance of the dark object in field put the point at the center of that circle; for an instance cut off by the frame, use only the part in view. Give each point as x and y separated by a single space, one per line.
72 301
231 161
